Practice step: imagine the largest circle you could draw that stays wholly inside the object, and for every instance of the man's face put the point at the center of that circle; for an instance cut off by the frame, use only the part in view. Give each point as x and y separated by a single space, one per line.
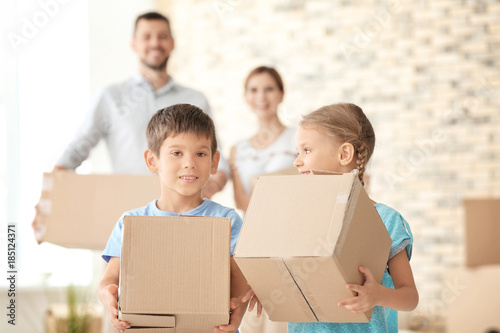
153 43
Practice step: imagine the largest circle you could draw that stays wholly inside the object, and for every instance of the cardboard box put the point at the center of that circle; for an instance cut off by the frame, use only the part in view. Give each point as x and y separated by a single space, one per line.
282 172
80 211
175 272
56 320
482 231
302 241
471 296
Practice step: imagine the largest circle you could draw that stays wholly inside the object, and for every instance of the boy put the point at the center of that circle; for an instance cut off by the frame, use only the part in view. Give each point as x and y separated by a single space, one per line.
182 151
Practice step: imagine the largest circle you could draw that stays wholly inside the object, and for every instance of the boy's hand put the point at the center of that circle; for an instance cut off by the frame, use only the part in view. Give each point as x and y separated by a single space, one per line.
250 295
237 312
111 302
368 294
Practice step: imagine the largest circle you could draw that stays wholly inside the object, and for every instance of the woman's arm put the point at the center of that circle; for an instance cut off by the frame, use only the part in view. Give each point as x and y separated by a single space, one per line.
241 198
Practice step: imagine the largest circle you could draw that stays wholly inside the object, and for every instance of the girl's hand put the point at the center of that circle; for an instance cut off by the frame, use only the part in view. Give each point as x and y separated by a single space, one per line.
250 295
368 295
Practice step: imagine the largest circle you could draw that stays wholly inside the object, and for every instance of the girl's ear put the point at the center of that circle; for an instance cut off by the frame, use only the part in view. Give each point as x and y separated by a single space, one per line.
346 152
151 160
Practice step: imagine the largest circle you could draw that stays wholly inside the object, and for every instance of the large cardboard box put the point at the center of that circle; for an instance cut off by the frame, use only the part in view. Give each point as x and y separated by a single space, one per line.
472 299
80 211
175 272
302 241
482 231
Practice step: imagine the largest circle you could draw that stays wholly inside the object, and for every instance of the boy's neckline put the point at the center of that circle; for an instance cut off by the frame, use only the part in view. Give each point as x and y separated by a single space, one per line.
189 212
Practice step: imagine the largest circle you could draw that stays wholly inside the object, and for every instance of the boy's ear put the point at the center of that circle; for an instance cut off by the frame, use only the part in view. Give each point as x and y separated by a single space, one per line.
151 160
215 163
346 154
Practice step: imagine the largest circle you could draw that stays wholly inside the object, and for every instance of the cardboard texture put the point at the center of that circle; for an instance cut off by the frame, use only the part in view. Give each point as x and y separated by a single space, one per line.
56 320
482 230
302 241
80 211
471 296
175 271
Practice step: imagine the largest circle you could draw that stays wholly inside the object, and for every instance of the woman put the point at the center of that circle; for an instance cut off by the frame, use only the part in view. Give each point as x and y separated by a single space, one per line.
272 148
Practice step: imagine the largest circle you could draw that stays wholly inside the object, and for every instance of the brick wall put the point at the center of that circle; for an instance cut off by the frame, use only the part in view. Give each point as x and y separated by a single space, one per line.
427 73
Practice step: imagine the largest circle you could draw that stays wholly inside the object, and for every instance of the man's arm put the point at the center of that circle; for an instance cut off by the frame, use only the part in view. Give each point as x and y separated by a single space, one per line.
94 127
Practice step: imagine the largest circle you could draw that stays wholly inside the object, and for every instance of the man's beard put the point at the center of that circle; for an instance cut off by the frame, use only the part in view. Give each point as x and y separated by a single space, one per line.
158 68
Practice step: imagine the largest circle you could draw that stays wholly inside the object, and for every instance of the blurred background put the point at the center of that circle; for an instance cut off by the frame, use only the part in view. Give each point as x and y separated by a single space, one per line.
427 74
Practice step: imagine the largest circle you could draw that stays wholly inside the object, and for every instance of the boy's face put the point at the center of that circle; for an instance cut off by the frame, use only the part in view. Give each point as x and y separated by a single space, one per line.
315 152
184 164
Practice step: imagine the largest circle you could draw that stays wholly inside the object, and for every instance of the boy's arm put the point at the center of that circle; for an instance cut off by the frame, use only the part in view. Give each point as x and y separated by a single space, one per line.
239 288
108 293
404 296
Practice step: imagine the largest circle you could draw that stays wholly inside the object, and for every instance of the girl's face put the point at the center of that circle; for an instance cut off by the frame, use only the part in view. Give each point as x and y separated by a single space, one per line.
316 152
263 95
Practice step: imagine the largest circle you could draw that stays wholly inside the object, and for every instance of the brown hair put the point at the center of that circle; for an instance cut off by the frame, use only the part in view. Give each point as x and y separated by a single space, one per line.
152 16
271 71
346 122
176 119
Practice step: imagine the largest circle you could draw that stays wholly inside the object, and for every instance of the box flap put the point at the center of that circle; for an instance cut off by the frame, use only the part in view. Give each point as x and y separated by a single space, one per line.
306 213
176 265
80 211
143 320
277 290
363 231
482 230
323 286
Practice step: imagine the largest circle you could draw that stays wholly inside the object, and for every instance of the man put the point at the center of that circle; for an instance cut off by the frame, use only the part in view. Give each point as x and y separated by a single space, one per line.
120 113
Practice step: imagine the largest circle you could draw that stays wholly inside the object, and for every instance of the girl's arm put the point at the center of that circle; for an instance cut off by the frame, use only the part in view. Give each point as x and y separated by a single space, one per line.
404 296
241 198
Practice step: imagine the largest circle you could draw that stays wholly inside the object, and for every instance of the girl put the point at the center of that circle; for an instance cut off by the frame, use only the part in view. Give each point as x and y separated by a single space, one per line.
340 138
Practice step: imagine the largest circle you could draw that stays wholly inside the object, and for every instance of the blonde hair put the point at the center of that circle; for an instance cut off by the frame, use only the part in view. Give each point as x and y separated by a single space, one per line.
348 123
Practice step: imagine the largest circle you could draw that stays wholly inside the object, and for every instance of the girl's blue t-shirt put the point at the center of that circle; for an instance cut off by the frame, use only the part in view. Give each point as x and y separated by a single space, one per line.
207 208
383 319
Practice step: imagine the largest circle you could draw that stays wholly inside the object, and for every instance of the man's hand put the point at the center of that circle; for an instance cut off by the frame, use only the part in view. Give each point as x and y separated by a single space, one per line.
37 227
368 295
35 224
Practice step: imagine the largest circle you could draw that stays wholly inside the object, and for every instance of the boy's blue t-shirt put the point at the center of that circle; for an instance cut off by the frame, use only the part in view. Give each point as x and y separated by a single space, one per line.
383 319
207 208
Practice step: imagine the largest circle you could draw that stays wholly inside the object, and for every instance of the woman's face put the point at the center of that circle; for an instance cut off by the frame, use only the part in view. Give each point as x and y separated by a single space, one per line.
263 95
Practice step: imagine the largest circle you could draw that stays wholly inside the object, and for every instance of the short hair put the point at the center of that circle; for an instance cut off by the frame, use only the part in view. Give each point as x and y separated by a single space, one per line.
176 119
152 16
269 70
348 123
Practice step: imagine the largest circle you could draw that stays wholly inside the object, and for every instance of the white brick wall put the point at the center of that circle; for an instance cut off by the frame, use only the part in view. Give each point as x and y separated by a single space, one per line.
427 73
